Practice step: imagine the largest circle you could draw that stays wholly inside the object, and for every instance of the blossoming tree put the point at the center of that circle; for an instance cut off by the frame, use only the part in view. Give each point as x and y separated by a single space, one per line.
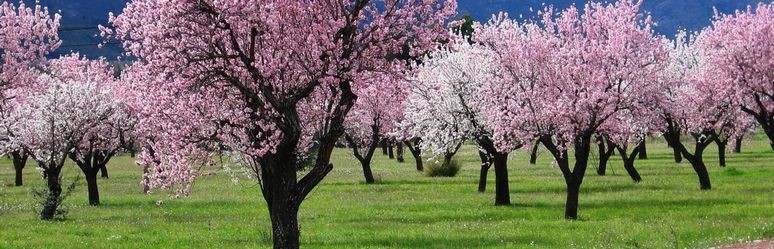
55 122
109 134
445 107
28 35
241 75
571 75
374 117
739 51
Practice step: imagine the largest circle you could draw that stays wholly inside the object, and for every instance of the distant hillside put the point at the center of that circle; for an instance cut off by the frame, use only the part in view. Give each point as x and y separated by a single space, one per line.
671 15
81 17
79 25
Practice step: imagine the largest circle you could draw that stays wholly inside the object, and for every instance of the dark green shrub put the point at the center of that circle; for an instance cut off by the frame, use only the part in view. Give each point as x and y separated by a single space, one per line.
441 169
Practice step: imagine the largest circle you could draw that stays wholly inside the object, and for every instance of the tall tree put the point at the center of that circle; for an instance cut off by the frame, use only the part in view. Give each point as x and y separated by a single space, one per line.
738 49
571 74
267 80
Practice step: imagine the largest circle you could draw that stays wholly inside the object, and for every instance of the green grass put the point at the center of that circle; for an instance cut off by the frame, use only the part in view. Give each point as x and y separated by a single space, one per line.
409 210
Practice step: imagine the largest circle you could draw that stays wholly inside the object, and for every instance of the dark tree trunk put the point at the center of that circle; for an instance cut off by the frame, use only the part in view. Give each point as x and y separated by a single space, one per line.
721 151
672 138
571 205
416 152
91 183
500 161
485 165
533 153
572 177
502 188
399 152
365 159
19 161
369 176
390 150
628 162
643 150
738 144
696 160
384 147
103 170
605 152
54 184
280 192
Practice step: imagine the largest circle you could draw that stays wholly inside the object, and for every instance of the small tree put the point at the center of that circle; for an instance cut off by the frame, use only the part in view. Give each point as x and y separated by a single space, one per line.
374 117
108 136
28 35
55 122
445 107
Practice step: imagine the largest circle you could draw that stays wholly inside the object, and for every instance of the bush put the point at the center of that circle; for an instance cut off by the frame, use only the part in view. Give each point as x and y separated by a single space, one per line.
440 169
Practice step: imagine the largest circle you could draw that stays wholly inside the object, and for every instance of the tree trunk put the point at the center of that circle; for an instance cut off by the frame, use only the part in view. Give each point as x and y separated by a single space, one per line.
738 144
628 162
369 176
399 152
416 152
91 183
701 170
697 162
145 171
573 177
19 161
721 151
54 184
384 147
571 205
104 171
283 210
643 150
390 150
502 190
485 165
672 141
533 153
605 152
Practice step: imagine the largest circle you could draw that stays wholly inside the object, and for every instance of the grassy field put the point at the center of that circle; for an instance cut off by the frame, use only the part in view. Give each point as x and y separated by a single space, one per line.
409 210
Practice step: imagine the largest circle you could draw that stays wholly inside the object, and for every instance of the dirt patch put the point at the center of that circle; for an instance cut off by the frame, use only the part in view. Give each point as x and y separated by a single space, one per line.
758 244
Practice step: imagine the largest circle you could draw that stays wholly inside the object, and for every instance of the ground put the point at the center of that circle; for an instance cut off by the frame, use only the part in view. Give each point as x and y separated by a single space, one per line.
409 210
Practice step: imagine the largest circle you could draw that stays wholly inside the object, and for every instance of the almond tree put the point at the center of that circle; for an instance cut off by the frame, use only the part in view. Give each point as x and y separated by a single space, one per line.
445 109
738 51
54 123
268 80
374 117
572 74
28 35
698 103
110 134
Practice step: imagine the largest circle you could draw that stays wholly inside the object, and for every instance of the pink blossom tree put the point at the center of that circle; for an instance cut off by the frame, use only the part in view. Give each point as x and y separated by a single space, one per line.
739 50
374 117
698 102
241 76
28 35
571 75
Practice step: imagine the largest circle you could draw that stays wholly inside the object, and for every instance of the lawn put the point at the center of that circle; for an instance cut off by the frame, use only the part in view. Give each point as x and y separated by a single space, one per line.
409 210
